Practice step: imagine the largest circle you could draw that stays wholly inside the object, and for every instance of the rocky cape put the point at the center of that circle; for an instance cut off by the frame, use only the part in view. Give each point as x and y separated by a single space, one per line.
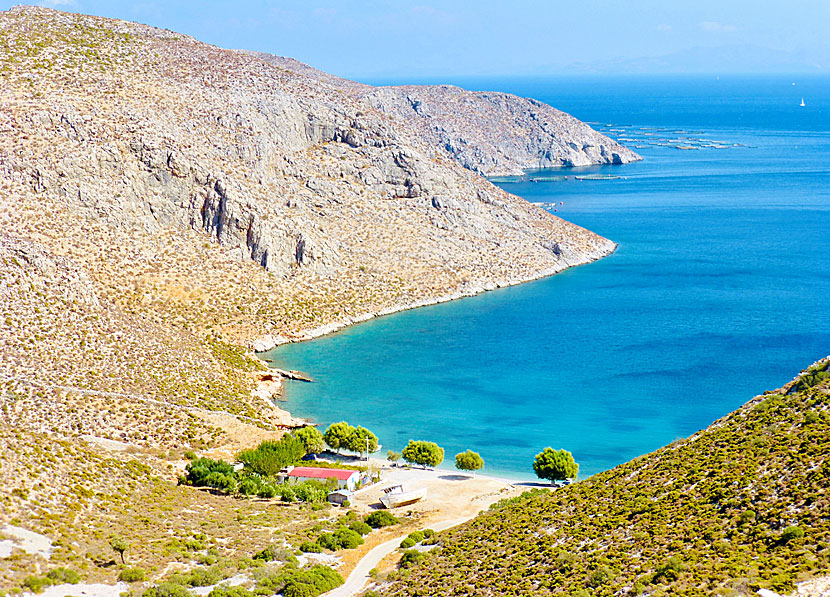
488 132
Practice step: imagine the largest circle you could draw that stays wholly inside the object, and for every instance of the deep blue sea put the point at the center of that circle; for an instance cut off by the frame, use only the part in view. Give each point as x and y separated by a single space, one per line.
720 288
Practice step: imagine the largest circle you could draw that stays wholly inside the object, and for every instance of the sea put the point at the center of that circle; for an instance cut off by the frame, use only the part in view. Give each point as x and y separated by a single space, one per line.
718 291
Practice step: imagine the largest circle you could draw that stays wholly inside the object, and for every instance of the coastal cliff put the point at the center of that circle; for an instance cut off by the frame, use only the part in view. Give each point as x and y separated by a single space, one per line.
492 133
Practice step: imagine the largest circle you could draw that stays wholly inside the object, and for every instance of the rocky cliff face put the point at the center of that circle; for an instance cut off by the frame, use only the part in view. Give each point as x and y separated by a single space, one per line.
498 133
491 133
142 130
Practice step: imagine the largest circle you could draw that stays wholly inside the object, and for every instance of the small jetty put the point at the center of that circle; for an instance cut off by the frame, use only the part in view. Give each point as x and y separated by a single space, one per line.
295 375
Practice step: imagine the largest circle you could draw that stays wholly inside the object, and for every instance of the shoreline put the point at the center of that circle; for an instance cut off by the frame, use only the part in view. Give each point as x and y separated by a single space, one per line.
270 341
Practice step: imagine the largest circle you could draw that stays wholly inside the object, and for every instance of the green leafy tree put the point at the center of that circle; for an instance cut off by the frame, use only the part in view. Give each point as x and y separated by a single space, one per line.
200 470
338 436
555 465
393 456
312 439
469 461
423 453
120 545
357 441
270 457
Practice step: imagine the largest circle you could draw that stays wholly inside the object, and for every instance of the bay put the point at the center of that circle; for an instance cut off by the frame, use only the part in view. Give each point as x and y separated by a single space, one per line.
719 289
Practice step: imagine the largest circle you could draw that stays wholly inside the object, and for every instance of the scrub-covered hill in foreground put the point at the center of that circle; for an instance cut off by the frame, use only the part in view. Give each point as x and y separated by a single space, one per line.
742 505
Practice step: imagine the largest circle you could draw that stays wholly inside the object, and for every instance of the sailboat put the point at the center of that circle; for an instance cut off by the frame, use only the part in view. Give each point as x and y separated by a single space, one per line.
802 102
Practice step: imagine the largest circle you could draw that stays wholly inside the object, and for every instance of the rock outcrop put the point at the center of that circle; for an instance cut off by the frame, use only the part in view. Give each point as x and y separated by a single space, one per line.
491 133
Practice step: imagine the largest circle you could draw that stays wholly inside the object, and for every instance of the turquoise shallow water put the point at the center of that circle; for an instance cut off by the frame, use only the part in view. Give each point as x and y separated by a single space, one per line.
720 289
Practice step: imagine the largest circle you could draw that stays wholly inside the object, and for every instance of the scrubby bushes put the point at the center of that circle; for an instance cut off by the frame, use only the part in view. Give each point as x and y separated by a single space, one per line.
273 553
342 538
411 557
292 581
206 472
167 589
310 582
361 527
132 575
310 547
380 519
236 591
416 537
56 576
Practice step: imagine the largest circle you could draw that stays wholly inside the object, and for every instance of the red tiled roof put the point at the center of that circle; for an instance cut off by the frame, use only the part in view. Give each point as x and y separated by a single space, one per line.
313 472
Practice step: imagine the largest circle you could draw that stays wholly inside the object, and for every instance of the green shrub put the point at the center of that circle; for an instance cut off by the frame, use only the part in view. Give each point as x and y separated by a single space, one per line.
410 558
309 582
791 533
669 570
327 541
310 547
347 538
417 536
132 575
167 589
381 518
342 538
236 591
407 543
600 576
206 472
361 527
36 584
204 577
286 493
811 417
272 554
60 576
311 492
248 486
267 491
746 517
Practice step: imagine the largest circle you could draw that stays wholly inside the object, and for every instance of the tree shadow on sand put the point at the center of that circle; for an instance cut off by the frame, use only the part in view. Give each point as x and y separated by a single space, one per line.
455 477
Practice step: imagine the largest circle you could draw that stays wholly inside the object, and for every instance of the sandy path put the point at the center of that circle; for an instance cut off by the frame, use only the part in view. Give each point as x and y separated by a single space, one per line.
360 575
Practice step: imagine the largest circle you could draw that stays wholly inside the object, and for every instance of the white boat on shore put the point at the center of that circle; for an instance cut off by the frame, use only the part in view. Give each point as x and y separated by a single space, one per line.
397 496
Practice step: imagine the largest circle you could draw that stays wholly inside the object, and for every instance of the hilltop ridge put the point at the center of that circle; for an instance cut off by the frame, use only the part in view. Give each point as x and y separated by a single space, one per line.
489 132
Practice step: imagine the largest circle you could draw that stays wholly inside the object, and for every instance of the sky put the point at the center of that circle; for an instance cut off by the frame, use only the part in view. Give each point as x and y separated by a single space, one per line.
371 39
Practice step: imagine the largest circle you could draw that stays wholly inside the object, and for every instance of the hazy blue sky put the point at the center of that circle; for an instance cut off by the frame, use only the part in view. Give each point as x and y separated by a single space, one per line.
457 37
